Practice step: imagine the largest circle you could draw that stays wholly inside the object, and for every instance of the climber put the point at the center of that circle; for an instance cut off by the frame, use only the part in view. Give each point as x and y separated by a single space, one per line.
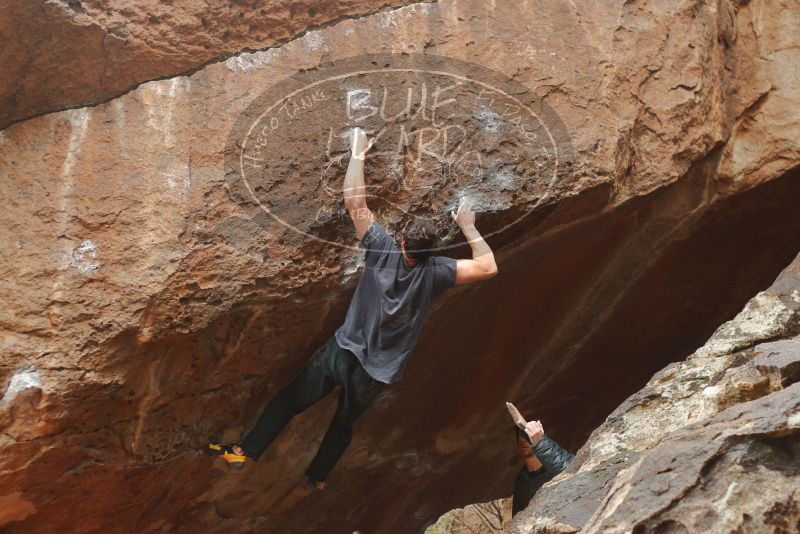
544 459
381 327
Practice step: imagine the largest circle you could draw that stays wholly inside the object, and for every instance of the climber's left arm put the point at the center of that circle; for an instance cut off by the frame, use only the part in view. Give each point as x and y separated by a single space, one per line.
553 457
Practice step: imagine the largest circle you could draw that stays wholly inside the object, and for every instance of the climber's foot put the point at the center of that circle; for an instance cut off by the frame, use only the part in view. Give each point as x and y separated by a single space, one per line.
232 454
316 484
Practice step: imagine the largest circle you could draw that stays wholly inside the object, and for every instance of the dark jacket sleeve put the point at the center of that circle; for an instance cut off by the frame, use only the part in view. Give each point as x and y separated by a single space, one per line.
553 457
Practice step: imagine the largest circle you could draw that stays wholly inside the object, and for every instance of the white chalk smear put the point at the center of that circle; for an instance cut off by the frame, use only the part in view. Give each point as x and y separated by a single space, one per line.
159 100
79 121
354 263
490 120
503 179
395 167
794 420
250 60
22 380
386 19
85 257
314 40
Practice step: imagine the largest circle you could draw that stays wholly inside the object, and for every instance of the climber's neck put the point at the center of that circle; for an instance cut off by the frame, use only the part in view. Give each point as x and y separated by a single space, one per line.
410 262
533 463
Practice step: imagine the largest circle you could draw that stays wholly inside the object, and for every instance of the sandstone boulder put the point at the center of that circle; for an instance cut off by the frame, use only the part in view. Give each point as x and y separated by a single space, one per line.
712 443
151 300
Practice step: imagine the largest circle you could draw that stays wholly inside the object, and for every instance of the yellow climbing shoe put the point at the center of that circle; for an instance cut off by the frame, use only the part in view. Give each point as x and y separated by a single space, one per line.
316 484
226 453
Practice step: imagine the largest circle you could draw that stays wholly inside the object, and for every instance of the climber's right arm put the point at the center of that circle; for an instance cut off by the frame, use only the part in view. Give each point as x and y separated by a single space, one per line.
354 189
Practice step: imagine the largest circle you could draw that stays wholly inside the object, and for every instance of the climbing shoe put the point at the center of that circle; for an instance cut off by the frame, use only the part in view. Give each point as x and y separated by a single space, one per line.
226 452
316 484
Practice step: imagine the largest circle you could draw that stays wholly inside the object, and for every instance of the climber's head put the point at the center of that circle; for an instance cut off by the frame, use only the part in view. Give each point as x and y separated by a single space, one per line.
419 237
523 444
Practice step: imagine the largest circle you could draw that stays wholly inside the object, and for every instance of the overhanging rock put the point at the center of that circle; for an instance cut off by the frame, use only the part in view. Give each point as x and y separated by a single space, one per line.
159 304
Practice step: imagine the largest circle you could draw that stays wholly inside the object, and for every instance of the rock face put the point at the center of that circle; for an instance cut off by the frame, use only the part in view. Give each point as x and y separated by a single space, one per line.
61 54
480 518
152 298
710 444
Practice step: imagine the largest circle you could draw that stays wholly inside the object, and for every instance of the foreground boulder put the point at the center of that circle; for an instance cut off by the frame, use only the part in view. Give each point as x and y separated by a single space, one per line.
152 298
710 444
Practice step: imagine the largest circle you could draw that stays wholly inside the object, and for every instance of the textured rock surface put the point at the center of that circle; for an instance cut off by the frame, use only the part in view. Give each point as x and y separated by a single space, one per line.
60 54
710 444
146 306
481 518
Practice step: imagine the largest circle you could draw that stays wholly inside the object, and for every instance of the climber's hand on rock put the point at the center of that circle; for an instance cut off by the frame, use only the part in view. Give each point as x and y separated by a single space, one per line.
359 144
535 431
465 216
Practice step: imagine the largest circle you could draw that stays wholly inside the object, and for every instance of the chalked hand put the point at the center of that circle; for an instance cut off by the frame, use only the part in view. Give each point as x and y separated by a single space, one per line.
535 431
465 216
359 144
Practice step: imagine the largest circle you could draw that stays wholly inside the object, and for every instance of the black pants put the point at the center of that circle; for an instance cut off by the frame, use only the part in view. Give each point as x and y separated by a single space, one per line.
329 366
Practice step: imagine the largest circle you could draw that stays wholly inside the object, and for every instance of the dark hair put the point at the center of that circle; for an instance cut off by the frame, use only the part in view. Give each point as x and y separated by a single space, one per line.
421 238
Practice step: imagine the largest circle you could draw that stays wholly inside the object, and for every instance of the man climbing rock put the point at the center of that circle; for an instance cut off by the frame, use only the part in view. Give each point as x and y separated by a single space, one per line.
544 459
372 347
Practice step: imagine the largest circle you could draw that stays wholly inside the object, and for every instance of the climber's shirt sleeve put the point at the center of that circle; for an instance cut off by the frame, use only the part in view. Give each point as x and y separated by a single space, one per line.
444 273
553 457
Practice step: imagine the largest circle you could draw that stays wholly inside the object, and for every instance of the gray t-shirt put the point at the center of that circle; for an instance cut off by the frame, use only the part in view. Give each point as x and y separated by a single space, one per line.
390 305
